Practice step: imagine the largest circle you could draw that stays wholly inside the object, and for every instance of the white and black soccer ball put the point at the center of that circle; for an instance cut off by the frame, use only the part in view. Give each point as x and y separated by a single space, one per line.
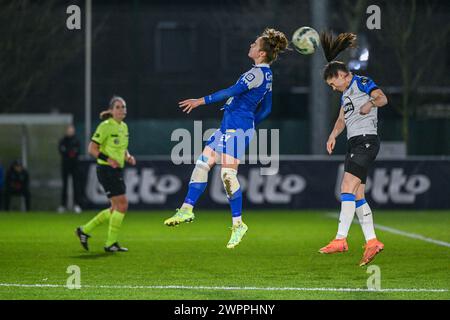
305 40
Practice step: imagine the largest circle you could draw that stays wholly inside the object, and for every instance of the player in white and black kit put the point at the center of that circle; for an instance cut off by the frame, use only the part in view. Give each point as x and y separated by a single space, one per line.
360 101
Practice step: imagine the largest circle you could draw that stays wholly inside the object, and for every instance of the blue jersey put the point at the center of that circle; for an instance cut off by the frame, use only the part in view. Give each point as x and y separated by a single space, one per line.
250 97
249 102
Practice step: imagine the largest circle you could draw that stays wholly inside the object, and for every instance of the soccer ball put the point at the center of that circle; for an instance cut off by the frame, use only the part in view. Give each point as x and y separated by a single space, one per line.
305 40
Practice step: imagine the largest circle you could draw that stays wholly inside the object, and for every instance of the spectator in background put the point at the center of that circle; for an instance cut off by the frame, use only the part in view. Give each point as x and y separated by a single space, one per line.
17 184
1 186
69 148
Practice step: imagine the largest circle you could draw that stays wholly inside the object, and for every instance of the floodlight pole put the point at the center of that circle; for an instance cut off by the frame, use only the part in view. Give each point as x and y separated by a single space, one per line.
319 108
88 75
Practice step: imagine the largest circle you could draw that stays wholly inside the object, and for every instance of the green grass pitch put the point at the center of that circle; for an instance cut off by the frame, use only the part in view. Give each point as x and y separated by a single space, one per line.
279 251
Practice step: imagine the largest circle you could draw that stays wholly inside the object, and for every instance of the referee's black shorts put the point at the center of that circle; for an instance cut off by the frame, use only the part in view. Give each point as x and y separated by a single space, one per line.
361 153
111 180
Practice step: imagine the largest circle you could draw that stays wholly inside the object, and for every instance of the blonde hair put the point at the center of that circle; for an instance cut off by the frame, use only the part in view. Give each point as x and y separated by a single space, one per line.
106 114
273 43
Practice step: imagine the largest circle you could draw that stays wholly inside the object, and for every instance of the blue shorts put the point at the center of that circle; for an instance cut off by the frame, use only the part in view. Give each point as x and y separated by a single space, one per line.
233 137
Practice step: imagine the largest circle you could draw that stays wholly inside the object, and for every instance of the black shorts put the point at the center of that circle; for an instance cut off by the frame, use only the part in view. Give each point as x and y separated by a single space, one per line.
111 180
361 153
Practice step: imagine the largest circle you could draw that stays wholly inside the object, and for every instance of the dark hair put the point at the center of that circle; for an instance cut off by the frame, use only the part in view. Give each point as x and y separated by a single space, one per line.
273 42
106 114
332 68
332 47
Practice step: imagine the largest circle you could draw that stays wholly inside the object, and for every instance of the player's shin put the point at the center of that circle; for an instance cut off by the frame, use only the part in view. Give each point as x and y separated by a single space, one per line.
234 194
198 183
346 215
236 206
100 218
115 222
365 218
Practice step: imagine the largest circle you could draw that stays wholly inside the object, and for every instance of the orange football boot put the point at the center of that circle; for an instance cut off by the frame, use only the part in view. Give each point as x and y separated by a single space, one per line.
336 245
372 248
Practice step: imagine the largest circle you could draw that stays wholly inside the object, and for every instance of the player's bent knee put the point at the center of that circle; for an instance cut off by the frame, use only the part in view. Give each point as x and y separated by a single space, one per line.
360 195
209 156
230 180
347 188
350 184
124 205
200 172
121 204
203 162
229 162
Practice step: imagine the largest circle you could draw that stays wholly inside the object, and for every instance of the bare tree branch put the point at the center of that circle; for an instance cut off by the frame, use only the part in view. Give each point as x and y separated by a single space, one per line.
35 44
411 34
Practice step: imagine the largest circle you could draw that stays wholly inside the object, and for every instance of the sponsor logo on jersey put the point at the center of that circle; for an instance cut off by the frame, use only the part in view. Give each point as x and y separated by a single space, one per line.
249 77
364 80
348 107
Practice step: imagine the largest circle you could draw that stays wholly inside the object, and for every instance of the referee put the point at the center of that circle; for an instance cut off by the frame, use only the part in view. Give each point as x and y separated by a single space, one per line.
109 145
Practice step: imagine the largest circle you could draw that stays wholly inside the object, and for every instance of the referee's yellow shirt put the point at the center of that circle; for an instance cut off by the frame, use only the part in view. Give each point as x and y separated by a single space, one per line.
113 140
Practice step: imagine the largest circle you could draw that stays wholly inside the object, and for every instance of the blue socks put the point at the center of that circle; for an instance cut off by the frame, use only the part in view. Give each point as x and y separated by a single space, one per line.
195 191
360 202
236 203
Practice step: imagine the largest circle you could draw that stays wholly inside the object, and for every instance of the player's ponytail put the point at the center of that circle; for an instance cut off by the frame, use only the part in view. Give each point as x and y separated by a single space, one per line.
332 47
273 43
106 114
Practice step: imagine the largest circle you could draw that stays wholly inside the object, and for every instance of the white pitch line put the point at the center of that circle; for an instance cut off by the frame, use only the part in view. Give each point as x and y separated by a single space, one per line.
403 233
226 288
412 235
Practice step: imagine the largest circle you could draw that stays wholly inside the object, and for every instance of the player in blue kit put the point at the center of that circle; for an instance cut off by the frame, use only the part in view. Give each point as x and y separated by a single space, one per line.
249 102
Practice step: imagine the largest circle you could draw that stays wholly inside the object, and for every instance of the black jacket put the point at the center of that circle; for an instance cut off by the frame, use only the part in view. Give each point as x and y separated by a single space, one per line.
17 181
69 148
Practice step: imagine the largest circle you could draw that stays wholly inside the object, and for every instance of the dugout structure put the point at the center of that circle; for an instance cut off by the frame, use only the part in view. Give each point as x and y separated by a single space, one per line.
33 139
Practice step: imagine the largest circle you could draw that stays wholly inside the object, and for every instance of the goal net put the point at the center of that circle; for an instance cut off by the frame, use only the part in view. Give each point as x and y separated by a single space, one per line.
33 139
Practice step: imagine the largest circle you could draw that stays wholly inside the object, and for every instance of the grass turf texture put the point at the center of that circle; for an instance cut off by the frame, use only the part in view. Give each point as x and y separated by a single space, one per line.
279 250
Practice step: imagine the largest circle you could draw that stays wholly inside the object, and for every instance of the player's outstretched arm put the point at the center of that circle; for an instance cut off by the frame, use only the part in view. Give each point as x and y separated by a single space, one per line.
232 91
339 126
189 104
